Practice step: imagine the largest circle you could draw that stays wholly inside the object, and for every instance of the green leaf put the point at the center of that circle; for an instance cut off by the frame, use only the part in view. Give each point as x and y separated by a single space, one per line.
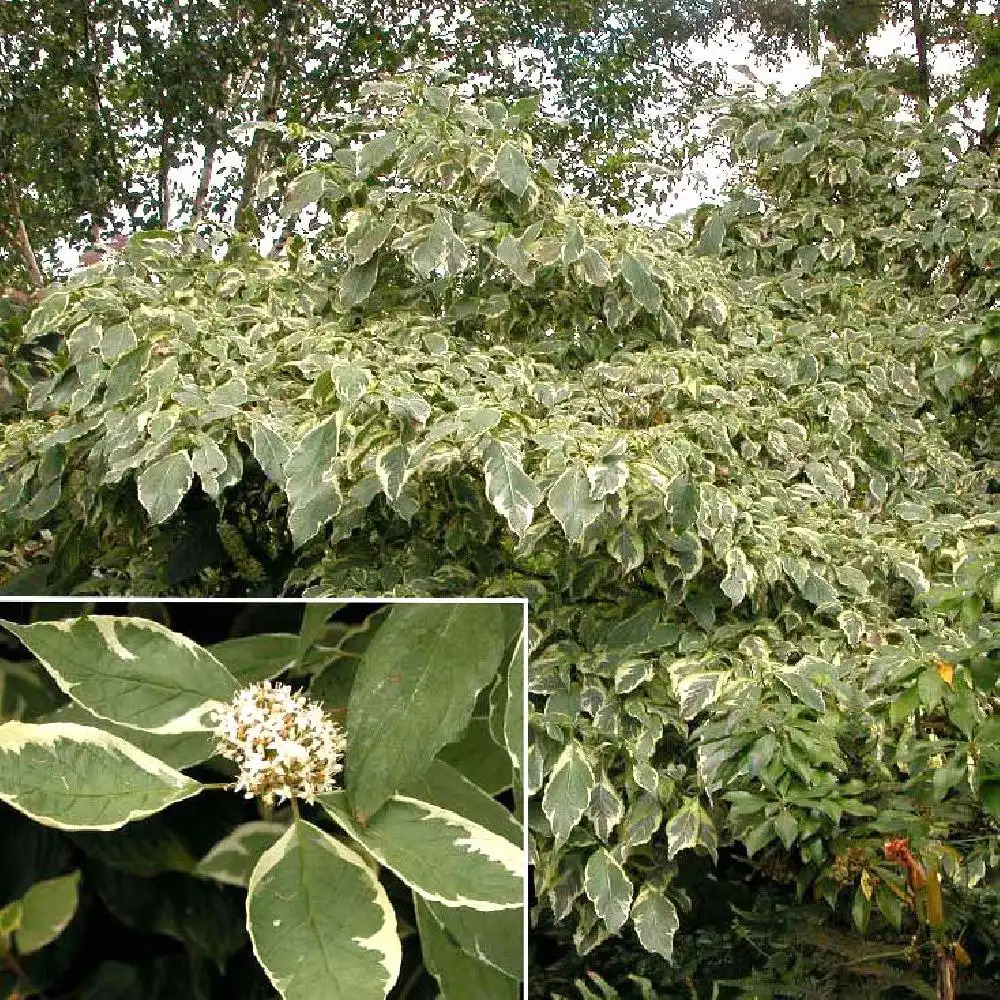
321 924
595 267
632 674
375 152
626 548
514 708
787 828
392 469
231 393
442 252
759 837
573 244
712 234
357 283
232 859
683 501
655 920
861 909
131 671
351 382
442 856
251 658
508 488
682 829
569 500
740 576
803 689
904 704
890 906
823 479
414 691
914 576
46 910
164 484
74 777
989 796
853 579
716 308
797 153
605 809
818 591
313 492
10 919
304 190
372 239
458 973
445 786
647 293
642 821
495 937
567 793
607 478
510 253
512 169
478 756
270 450
690 827
761 753
179 750
608 888
116 341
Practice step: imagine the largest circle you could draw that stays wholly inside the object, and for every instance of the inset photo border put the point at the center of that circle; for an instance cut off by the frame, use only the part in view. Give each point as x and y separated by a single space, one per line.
263 798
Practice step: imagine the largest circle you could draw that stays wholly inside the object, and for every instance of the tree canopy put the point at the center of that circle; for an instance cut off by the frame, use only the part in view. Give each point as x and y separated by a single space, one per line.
109 103
118 116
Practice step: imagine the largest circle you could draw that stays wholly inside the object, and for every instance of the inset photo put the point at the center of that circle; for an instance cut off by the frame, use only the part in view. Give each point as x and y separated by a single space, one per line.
242 800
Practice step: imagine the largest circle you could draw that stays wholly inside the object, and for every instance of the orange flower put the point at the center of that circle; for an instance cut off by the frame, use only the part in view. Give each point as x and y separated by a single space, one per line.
899 851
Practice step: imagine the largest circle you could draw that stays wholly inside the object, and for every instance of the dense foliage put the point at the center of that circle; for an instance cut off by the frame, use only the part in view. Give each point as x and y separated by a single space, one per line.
746 478
143 857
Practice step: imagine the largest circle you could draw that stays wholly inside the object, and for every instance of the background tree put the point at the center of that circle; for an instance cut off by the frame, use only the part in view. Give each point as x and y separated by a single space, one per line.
109 102
929 26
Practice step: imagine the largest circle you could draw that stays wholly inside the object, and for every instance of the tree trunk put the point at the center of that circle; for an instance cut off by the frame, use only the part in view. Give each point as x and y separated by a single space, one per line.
19 237
284 235
205 181
923 67
213 139
165 155
106 139
257 156
989 138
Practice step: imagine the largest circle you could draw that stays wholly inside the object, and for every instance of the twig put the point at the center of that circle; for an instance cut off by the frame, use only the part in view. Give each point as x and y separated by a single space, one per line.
13 965
19 239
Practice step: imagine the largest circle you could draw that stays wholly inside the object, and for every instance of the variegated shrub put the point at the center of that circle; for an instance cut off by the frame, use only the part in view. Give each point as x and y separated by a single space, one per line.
430 708
746 478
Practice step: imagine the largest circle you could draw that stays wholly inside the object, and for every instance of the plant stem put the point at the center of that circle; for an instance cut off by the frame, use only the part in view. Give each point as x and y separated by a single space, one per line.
13 965
257 154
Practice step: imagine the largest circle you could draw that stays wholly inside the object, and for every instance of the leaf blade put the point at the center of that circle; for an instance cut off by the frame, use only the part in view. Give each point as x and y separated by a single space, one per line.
346 950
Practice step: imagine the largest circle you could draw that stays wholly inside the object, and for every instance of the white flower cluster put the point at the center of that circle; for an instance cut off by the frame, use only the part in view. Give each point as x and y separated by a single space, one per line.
283 744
